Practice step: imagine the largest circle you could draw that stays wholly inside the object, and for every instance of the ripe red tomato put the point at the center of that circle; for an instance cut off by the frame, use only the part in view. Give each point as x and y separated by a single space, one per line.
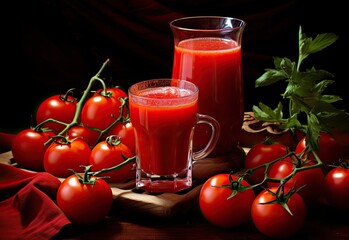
108 154
273 220
58 107
63 155
329 150
28 148
100 111
86 134
337 187
311 179
262 153
125 131
218 209
84 203
116 92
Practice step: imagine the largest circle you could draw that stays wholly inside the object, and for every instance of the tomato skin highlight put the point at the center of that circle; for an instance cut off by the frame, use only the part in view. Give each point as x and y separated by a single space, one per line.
223 212
262 153
57 108
311 179
84 204
125 131
329 150
28 149
100 111
60 157
273 220
104 155
336 188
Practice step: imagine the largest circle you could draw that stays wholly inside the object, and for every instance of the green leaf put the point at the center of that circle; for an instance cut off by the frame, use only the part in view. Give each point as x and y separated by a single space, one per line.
321 86
330 98
291 123
309 46
340 121
269 77
265 113
310 110
285 65
313 75
321 42
313 132
334 118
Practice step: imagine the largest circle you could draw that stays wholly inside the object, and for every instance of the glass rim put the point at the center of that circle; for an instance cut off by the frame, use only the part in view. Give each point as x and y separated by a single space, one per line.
194 89
203 17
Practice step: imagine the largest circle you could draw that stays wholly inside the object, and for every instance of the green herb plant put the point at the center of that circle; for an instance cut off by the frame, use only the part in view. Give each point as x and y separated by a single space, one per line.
309 109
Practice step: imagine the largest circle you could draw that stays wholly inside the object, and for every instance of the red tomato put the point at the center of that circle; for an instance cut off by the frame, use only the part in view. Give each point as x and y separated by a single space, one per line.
116 92
63 155
337 187
100 111
343 141
218 209
311 179
108 154
84 203
58 107
28 148
262 153
273 220
86 134
125 131
329 149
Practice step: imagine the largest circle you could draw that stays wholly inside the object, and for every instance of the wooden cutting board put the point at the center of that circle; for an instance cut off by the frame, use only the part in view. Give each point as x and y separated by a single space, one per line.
165 205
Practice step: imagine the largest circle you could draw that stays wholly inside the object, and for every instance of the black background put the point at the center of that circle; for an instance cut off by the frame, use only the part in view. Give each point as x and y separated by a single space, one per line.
51 46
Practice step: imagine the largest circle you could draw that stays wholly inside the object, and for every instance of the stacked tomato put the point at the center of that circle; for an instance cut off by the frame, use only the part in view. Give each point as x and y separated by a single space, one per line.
277 186
88 142
77 137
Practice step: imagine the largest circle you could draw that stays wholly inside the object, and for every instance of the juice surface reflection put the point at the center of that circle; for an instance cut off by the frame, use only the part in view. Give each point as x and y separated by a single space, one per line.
163 125
214 65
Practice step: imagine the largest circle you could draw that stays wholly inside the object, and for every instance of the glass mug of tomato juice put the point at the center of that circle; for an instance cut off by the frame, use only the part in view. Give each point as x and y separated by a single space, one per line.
207 52
164 115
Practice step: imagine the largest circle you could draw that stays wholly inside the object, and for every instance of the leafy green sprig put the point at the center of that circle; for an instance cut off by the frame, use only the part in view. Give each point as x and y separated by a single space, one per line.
309 109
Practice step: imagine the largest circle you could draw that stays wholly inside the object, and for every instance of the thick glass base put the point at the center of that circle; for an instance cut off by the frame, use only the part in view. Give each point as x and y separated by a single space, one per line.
163 184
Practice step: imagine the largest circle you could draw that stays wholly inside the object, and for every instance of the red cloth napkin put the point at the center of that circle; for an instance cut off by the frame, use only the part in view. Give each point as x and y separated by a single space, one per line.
6 140
27 207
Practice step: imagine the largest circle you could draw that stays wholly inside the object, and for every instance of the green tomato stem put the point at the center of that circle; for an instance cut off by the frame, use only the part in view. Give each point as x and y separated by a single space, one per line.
120 165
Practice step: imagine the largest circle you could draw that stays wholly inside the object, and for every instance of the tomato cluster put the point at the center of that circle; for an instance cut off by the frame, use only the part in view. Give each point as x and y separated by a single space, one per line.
277 185
77 138
88 142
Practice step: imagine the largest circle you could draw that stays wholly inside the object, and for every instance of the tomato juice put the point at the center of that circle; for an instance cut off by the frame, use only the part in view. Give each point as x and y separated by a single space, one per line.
163 119
214 65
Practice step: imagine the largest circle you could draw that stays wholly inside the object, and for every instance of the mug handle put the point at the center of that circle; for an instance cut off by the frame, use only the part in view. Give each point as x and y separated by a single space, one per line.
205 119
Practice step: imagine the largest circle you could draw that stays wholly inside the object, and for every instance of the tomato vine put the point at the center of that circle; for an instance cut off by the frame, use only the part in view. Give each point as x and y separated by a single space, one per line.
102 132
79 106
